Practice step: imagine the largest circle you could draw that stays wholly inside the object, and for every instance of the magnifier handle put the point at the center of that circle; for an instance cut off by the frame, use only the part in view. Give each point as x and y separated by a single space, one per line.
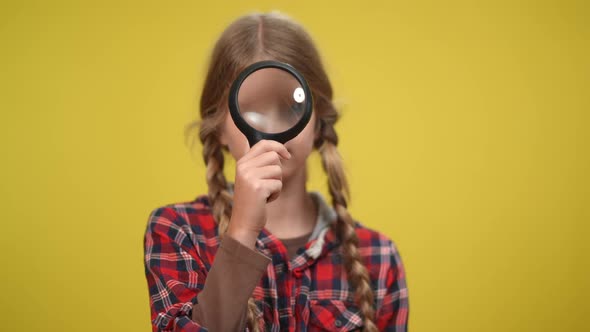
252 140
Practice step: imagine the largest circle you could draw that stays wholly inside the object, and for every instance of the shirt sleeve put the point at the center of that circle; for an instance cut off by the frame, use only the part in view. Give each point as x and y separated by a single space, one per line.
236 270
395 306
173 272
183 296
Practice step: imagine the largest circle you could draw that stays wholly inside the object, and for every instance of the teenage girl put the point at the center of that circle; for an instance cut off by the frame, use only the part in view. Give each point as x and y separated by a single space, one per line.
264 254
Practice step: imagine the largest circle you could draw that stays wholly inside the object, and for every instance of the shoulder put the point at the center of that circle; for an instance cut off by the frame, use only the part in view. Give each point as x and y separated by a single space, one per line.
369 237
387 273
192 217
377 249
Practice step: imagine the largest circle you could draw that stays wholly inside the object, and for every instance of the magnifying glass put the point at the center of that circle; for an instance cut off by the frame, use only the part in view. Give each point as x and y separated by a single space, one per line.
270 100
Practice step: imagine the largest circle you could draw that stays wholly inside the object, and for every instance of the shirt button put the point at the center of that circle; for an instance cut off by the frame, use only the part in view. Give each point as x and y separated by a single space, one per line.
338 323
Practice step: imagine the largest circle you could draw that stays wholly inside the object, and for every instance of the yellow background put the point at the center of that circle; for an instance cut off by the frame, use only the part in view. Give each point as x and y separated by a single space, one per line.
464 132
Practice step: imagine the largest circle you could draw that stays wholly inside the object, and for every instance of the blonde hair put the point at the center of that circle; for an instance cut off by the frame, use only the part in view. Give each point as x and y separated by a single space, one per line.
275 36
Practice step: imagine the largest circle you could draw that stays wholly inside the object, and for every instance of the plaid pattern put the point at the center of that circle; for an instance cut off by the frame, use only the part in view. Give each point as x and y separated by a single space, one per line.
304 294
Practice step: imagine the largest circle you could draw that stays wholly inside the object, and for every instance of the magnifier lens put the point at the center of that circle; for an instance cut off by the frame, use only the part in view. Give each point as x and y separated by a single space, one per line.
271 100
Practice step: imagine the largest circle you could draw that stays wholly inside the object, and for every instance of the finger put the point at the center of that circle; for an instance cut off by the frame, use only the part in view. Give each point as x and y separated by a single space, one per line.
265 159
273 187
268 172
273 196
265 146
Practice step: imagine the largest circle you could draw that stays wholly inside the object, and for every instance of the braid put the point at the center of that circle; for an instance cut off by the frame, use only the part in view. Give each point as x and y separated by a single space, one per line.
358 274
220 197
251 316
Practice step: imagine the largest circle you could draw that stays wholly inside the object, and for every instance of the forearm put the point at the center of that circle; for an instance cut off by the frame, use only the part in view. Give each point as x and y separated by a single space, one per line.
235 272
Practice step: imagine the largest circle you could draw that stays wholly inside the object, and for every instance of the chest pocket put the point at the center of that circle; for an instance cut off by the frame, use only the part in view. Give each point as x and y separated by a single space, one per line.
334 315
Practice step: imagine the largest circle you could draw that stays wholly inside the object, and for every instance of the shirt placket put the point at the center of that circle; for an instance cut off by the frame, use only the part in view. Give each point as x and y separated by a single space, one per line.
300 289
291 276
273 248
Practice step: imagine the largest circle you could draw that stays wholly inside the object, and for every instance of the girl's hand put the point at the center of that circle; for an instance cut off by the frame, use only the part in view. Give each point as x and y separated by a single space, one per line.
258 181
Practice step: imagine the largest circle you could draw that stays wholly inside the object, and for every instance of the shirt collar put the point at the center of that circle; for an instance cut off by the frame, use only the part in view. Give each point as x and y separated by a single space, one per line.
326 215
320 235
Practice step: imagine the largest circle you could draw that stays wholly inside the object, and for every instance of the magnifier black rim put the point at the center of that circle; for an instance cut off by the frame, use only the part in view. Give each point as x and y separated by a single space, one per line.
250 132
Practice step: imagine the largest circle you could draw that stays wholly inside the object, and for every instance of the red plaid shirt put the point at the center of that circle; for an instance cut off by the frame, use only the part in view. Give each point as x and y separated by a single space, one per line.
308 293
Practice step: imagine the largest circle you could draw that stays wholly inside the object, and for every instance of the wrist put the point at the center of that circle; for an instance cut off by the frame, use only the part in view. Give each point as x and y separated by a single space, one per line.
245 236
